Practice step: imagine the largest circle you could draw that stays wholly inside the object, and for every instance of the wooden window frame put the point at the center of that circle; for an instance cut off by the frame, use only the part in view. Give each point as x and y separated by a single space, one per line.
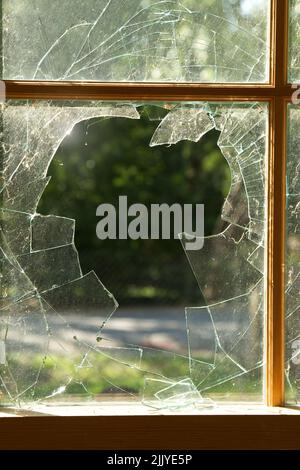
274 428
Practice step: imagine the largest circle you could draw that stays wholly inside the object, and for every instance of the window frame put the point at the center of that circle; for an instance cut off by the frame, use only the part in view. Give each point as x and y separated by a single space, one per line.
274 427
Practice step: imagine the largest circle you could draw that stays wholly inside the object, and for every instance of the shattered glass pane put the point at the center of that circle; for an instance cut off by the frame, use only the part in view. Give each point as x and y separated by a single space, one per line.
60 326
292 258
136 40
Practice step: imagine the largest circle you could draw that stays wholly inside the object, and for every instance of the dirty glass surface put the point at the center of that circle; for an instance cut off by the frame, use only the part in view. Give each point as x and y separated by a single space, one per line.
292 258
48 352
136 40
294 41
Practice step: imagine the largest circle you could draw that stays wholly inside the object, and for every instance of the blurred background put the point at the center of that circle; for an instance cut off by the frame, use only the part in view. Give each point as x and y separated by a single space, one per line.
151 280
104 159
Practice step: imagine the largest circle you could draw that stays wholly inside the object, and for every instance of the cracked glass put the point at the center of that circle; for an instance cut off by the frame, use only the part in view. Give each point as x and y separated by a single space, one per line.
63 335
294 41
136 40
292 258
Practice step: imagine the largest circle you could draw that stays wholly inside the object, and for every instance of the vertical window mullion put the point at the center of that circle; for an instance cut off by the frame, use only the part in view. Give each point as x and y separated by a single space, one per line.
276 211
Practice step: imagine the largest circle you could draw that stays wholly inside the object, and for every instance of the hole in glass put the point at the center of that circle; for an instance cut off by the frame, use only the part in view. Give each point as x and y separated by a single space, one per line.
151 279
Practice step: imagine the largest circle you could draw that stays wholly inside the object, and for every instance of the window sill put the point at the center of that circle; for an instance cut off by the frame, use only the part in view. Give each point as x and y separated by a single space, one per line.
127 426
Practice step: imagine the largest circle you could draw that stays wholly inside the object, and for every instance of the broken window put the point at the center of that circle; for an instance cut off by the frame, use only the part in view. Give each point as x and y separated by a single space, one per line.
47 354
137 40
294 55
160 68
292 258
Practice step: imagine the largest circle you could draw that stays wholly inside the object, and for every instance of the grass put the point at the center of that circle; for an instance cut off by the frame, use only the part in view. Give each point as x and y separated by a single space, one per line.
37 377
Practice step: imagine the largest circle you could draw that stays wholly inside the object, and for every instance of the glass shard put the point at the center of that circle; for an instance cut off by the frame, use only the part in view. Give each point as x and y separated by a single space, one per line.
51 231
162 394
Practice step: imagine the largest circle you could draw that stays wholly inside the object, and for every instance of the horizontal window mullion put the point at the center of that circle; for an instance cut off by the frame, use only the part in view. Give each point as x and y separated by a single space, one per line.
141 91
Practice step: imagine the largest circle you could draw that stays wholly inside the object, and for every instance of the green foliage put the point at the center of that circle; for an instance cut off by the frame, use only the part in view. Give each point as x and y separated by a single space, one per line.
108 376
103 159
